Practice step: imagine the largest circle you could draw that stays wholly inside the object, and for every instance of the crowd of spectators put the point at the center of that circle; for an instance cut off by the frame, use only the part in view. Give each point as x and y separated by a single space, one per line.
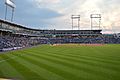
100 39
11 43
78 39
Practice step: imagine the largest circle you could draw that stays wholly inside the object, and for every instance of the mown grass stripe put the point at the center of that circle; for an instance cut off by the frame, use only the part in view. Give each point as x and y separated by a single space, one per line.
53 67
26 72
90 60
40 71
86 57
106 71
108 66
90 57
68 64
10 72
22 69
89 51
74 53
91 63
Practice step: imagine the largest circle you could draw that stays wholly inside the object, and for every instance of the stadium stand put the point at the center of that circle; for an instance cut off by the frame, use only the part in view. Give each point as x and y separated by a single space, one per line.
15 36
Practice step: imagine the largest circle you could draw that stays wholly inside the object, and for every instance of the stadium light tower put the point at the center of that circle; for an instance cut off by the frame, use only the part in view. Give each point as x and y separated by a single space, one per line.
75 17
93 17
11 4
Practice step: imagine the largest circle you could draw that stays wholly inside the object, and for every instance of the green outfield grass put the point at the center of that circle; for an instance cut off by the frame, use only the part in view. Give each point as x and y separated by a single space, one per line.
62 62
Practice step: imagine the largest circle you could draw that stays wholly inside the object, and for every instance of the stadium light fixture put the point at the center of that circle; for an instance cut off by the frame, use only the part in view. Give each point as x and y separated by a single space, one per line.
11 4
77 17
95 16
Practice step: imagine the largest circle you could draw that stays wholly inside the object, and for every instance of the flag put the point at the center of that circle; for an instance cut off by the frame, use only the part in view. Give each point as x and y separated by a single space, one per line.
10 3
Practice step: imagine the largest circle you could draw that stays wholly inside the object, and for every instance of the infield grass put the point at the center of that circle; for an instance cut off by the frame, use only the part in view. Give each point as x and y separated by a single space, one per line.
62 62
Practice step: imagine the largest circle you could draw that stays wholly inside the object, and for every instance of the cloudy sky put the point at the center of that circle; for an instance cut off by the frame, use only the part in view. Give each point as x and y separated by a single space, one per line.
56 14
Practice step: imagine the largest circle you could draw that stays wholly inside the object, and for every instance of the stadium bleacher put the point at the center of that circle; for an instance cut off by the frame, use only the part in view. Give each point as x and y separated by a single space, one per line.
15 36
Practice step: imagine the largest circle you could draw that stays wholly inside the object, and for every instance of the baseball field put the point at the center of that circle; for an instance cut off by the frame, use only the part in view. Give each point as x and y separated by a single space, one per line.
62 62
